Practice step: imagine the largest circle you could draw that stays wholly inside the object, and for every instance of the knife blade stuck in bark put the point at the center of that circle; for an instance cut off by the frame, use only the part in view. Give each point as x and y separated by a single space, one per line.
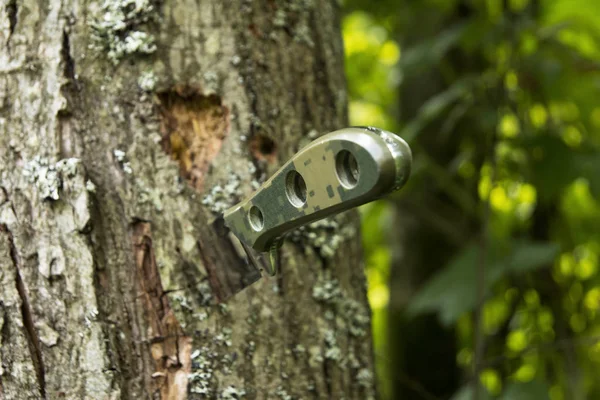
338 171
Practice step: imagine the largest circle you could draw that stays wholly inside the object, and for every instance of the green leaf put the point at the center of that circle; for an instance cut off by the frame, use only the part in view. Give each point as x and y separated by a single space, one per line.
583 12
453 291
534 390
529 256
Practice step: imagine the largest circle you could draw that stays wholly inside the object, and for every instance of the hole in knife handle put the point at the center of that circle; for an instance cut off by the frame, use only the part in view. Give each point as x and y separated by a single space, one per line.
295 188
347 169
256 218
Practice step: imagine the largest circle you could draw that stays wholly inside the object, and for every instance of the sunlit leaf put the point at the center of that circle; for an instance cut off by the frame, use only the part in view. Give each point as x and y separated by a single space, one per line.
517 341
490 379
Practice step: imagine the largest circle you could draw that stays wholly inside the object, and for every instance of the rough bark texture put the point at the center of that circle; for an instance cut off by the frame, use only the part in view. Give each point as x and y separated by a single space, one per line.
124 127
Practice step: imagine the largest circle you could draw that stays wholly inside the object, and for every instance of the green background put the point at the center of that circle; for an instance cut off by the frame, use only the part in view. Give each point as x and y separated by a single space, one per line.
483 270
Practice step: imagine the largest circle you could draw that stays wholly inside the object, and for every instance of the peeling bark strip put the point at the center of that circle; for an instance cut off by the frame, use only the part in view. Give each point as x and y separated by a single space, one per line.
32 335
193 128
170 348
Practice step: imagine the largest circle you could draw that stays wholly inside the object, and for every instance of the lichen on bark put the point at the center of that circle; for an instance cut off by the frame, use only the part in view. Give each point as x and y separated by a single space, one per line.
115 253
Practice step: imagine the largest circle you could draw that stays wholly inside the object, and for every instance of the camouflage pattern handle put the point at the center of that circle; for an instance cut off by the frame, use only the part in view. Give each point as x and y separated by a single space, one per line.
338 171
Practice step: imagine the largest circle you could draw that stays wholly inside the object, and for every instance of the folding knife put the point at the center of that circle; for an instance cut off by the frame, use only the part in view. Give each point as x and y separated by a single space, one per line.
338 171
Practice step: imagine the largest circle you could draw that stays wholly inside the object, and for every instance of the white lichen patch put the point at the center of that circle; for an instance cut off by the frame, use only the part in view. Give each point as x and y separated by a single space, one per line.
201 316
206 364
48 176
221 197
236 60
90 187
202 371
205 291
146 195
120 155
352 361
326 290
299 350
223 337
117 30
68 166
226 363
332 350
303 35
354 315
147 81
48 336
283 394
251 347
232 393
7 216
280 19
298 21
364 377
223 309
182 303
90 317
325 235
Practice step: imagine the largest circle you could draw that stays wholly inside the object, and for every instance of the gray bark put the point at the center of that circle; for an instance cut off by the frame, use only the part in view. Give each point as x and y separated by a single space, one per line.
124 127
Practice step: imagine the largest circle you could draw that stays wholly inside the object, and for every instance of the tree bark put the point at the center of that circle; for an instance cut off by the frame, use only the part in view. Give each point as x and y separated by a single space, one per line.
125 127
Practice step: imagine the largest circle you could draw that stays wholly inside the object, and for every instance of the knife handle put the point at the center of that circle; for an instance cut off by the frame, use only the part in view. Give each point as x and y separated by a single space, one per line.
340 170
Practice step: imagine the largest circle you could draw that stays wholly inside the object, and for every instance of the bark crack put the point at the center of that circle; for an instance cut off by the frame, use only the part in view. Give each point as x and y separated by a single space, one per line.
65 52
11 11
4 328
327 378
27 313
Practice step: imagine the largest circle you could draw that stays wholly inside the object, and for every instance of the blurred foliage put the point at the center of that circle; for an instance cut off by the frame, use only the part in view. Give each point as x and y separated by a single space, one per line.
520 94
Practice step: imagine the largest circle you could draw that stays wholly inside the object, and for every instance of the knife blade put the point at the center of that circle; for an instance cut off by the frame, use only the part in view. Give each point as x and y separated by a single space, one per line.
334 173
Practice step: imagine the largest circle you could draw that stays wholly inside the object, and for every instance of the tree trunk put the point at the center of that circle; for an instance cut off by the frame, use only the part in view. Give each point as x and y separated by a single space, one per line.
125 127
